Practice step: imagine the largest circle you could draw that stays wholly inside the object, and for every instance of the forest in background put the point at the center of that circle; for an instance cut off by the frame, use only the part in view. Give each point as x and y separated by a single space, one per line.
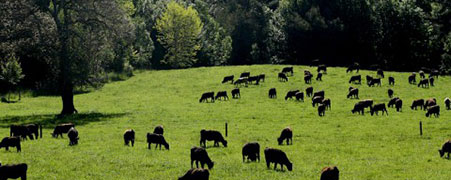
61 44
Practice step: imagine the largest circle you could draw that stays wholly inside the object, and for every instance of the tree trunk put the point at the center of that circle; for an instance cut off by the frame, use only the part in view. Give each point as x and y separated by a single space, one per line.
67 95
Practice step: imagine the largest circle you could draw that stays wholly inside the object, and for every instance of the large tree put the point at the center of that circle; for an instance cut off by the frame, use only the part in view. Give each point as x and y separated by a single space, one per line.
86 33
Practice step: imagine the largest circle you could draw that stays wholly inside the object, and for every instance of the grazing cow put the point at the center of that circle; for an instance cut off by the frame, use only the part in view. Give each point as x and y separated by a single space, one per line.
416 103
391 81
158 130
424 83
398 105
380 73
199 154
300 96
196 174
277 156
448 103
13 171
291 94
422 76
156 139
429 102
434 73
308 78
245 75
227 79
251 151
367 103
319 77
251 79
261 77
11 142
34 129
236 93
392 101
222 94
356 79
307 72
435 110
282 77
319 93
73 136
240 82
309 91
212 135
390 93
129 136
330 173
446 148
412 79
431 81
206 96
272 93
358 107
368 79
378 107
375 81
317 100
353 67
288 70
287 134
326 102
323 68
26 130
61 129
322 110
353 93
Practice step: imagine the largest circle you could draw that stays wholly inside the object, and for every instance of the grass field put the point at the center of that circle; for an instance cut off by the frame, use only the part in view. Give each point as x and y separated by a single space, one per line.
363 147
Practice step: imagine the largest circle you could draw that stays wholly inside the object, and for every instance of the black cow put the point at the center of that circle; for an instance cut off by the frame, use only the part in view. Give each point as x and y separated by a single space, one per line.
322 110
421 72
287 134
424 83
319 77
435 110
358 107
412 79
255 79
156 139
319 93
129 136
353 67
448 103
380 73
245 75
291 94
368 79
288 70
236 93
392 101
11 142
25 131
446 148
199 154
222 94
308 78
299 96
262 77
375 81
73 136
251 151
212 135
391 81
326 102
330 173
196 174
13 171
240 82
277 156
309 91
416 103
398 105
431 81
353 93
429 102
317 100
227 79
272 93
282 77
367 103
356 79
159 130
378 107
61 129
206 96
390 93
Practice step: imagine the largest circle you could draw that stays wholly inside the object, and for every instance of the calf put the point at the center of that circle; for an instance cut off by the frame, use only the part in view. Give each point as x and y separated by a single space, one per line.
11 142
300 96
129 136
416 103
446 148
236 93
435 110
73 136
212 135
390 93
245 75
287 134
196 174
322 110
206 96
282 77
309 91
227 79
261 77
398 105
380 73
431 81
61 129
353 93
199 154
392 102
429 102
156 139
288 70
375 81
241 82
378 107
272 93
308 78
319 77
323 68
319 93
412 79
222 94
13 171
391 81
277 156
317 100
448 103
158 130
356 79
251 151
424 83
330 173
358 107
291 94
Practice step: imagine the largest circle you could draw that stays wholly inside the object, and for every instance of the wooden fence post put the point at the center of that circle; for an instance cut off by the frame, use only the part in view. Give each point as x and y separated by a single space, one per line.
421 128
226 133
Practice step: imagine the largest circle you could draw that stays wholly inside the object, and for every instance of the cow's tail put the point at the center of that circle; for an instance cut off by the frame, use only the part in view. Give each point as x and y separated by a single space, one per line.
40 131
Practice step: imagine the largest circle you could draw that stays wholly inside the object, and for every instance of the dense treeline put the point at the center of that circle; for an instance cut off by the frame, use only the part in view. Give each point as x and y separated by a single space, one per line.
62 44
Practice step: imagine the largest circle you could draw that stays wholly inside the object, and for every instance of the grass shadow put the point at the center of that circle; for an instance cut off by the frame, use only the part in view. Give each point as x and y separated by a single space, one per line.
50 120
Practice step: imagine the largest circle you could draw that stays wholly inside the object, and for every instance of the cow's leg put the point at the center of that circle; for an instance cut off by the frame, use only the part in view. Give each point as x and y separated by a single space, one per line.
192 163
148 145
